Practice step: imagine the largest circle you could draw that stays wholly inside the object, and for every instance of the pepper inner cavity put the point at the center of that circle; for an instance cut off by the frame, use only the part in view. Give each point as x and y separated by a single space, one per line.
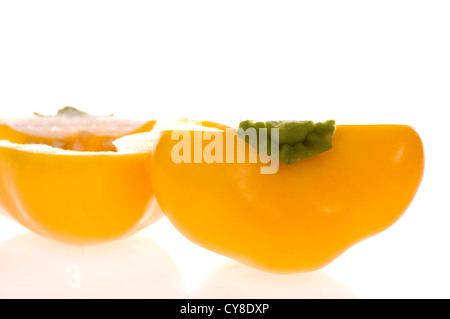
83 142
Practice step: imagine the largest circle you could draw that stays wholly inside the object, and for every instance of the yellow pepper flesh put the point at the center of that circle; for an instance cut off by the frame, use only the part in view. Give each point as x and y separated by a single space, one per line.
76 197
306 214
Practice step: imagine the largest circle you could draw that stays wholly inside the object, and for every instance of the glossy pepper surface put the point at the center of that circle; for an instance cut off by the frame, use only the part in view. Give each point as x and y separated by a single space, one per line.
306 214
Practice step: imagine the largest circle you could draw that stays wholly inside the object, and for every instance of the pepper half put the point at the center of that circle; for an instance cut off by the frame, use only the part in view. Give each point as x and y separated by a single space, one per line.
303 216
77 178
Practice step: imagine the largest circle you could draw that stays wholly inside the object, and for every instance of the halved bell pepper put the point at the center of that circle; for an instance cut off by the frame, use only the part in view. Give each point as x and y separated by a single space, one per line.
304 215
76 178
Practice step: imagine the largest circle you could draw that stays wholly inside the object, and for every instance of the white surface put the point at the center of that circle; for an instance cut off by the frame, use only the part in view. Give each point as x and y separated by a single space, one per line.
352 61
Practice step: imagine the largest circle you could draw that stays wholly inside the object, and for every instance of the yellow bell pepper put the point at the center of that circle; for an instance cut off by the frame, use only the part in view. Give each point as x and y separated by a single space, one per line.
301 217
64 178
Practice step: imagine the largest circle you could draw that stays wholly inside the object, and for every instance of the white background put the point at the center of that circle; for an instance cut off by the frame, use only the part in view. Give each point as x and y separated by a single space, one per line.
352 61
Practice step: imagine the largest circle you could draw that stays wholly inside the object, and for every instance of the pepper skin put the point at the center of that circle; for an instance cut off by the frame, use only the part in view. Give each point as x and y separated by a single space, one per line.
76 197
306 214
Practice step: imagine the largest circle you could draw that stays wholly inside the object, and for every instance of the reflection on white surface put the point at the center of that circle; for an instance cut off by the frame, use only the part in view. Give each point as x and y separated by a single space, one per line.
136 267
234 280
